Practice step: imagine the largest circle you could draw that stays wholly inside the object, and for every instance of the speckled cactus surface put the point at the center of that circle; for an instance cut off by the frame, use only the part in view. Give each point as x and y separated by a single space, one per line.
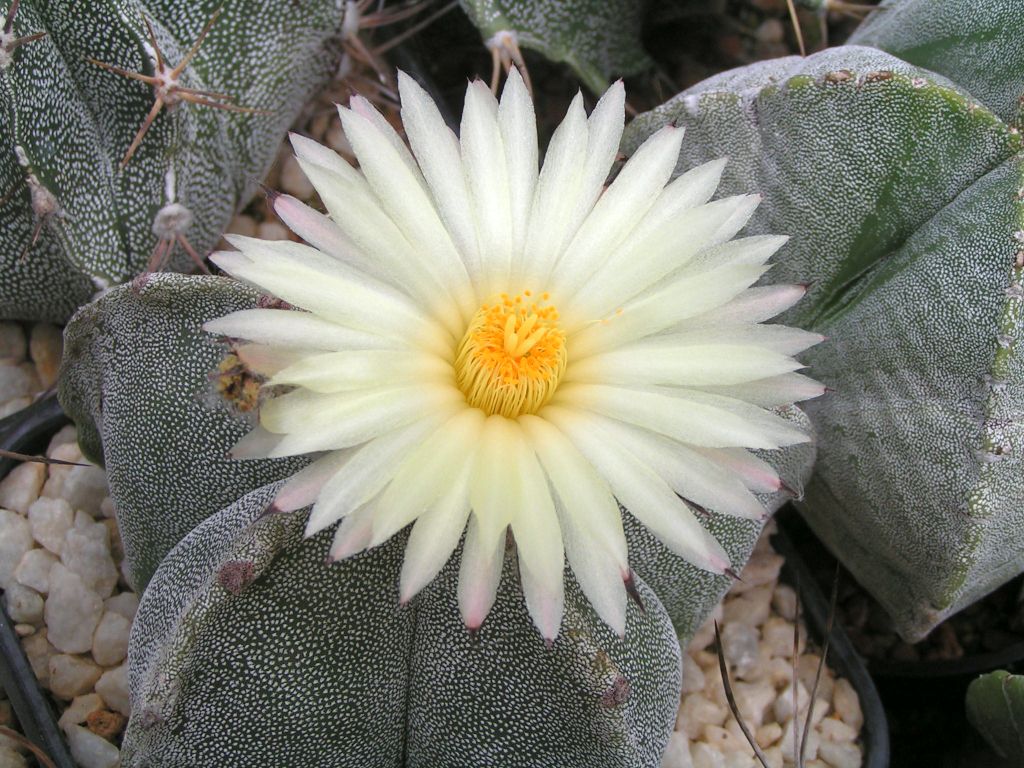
599 39
76 217
902 192
375 683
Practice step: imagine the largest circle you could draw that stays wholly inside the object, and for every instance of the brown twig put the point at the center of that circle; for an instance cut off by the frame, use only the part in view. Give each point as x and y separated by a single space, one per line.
796 27
38 459
42 757
821 662
729 697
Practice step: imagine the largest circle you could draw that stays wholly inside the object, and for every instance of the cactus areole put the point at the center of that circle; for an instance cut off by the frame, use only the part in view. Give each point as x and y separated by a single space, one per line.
483 346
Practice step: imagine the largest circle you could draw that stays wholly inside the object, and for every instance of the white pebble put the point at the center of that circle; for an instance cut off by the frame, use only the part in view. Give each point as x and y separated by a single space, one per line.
90 750
15 405
80 708
750 609
740 760
72 676
840 754
24 605
792 738
24 630
67 435
773 755
87 553
242 225
39 651
706 756
15 541
11 759
703 637
72 611
12 342
847 705
833 729
768 734
293 180
784 601
124 603
85 488
50 519
272 230
46 346
753 701
34 570
777 637
110 641
113 687
107 508
22 486
693 675
783 707
698 711
15 381
677 754
741 647
719 738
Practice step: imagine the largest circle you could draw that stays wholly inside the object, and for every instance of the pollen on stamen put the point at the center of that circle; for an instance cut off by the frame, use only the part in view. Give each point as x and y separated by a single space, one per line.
512 356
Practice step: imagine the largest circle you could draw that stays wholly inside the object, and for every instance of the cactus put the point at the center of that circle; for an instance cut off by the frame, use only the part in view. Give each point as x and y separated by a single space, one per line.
902 194
77 218
140 372
995 707
598 39
143 384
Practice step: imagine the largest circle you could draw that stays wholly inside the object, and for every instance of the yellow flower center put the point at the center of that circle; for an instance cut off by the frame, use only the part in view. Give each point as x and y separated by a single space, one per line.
512 356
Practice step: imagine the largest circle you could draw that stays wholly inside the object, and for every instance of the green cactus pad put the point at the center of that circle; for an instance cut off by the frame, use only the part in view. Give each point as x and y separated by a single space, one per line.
979 45
66 124
597 38
139 379
250 650
995 707
901 197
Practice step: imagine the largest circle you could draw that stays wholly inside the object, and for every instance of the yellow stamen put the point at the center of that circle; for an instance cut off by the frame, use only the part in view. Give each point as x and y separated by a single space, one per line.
512 356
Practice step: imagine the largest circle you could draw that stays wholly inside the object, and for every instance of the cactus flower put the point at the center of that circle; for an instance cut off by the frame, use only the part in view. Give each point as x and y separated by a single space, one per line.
484 347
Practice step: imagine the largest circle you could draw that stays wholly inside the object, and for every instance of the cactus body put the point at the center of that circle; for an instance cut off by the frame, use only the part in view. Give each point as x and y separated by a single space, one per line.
138 381
66 125
995 707
598 39
901 195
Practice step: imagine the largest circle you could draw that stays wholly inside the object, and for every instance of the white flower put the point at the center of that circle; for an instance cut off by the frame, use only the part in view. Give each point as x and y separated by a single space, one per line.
486 348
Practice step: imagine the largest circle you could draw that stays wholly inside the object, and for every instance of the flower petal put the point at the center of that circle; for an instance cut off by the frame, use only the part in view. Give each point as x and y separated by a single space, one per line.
681 365
486 169
643 264
686 415
404 197
773 391
558 189
479 572
434 537
360 369
438 153
365 473
303 329
311 421
353 535
604 132
644 494
428 473
757 474
538 538
671 303
519 135
304 486
589 518
689 474
618 211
